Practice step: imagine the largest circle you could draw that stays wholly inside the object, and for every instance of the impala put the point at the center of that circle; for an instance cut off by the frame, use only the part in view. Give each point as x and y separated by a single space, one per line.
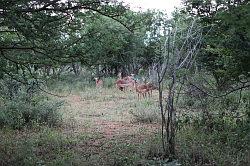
141 90
123 83
151 87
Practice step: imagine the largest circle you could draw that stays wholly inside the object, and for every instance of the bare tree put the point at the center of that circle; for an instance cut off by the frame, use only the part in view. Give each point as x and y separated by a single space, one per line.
183 38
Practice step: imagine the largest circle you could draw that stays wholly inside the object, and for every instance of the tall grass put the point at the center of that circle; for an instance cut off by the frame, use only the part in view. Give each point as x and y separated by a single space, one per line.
146 111
70 82
18 113
43 147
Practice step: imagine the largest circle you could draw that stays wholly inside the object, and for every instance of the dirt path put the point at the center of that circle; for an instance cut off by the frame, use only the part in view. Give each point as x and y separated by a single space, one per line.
107 115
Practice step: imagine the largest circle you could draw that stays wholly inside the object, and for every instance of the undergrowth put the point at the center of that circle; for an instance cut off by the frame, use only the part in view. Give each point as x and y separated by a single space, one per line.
23 106
145 111
219 135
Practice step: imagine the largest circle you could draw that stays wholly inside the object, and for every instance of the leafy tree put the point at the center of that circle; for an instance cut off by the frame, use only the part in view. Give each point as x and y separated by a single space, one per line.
226 48
35 34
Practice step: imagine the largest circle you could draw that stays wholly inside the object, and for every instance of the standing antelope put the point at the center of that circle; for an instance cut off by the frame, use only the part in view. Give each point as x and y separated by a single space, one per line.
144 89
123 83
98 82
151 87
141 90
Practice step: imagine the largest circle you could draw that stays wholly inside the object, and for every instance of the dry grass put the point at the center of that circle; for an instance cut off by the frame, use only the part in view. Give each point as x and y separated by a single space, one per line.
103 105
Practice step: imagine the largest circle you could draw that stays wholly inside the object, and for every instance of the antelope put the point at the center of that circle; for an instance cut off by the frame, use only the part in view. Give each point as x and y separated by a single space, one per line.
142 89
98 82
122 83
151 87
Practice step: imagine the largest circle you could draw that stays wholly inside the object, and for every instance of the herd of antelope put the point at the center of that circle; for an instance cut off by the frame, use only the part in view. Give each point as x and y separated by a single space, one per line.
129 83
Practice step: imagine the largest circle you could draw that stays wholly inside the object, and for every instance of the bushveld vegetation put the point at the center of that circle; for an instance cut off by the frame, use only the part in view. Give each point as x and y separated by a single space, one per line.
62 102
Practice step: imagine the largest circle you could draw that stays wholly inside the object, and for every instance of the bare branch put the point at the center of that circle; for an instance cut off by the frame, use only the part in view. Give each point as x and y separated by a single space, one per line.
225 94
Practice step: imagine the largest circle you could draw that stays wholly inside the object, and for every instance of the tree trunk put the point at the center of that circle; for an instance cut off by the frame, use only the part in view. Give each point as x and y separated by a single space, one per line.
171 120
76 68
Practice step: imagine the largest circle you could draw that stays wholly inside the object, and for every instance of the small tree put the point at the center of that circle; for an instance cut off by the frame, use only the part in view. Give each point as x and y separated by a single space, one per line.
183 38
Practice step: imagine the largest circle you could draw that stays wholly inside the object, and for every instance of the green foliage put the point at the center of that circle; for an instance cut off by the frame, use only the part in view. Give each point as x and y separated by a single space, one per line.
67 83
216 133
113 45
199 147
19 113
40 34
226 47
23 105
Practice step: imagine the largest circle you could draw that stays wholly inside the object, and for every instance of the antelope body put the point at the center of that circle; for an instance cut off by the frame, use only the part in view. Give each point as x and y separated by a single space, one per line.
151 87
144 89
141 90
123 83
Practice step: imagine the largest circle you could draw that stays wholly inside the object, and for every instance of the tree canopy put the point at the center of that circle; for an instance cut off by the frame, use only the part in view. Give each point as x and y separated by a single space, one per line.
226 48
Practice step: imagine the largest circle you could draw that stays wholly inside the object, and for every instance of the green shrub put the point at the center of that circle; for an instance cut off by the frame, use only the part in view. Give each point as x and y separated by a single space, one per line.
216 131
18 113
217 138
199 147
